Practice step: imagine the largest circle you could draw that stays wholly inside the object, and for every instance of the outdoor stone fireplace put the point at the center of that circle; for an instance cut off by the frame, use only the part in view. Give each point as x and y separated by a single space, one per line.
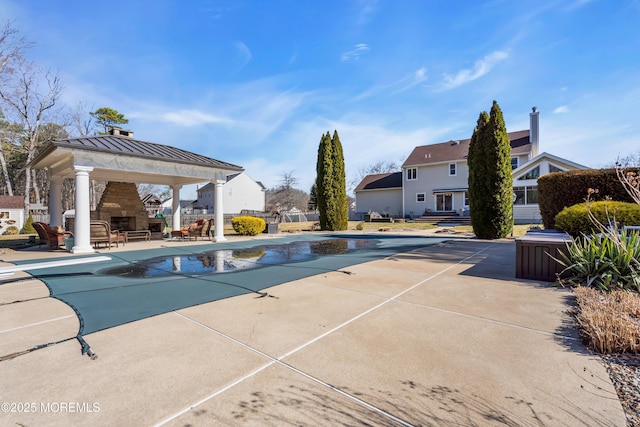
122 208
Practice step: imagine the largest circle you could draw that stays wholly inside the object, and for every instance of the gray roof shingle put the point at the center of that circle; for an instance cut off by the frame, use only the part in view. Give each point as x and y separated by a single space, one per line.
458 150
380 181
116 144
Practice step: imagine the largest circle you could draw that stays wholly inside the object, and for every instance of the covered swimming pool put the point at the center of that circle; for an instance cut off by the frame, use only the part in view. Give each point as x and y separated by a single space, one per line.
138 284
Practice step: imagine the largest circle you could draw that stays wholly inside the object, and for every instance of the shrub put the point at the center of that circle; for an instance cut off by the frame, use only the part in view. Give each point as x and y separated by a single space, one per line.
248 225
27 228
559 190
603 262
11 230
575 220
360 226
609 322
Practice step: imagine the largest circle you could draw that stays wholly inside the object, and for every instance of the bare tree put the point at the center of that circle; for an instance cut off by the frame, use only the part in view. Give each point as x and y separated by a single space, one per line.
11 49
82 121
286 197
30 106
375 168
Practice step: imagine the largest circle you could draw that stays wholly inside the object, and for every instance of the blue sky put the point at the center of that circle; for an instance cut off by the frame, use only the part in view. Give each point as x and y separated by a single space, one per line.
257 82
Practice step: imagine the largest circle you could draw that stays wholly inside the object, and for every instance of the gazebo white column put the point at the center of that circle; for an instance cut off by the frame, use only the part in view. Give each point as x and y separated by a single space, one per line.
82 232
219 213
55 201
175 206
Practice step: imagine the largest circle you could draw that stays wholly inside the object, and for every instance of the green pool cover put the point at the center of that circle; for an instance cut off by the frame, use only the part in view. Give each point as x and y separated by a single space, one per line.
103 300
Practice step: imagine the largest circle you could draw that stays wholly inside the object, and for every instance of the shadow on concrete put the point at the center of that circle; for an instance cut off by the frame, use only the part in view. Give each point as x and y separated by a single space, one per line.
415 404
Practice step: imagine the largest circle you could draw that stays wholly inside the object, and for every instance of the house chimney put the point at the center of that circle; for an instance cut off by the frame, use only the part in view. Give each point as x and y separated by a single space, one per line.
120 132
534 131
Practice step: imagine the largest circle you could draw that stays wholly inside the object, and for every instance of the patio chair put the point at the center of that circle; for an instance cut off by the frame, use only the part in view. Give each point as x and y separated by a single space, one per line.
50 236
100 232
200 228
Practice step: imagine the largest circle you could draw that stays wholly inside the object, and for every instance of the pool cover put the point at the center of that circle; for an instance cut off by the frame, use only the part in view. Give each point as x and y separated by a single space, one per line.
102 301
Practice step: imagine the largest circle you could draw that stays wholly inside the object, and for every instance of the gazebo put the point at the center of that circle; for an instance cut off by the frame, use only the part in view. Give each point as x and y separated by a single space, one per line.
120 157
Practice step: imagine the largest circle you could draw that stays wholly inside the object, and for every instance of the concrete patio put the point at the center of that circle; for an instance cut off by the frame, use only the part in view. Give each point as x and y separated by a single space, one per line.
444 335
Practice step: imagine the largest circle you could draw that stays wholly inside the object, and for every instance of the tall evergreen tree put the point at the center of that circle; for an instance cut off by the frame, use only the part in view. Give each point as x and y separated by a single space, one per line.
490 178
331 192
324 171
339 186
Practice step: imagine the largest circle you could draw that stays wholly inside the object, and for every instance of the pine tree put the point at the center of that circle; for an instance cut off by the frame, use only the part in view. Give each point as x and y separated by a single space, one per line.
313 199
490 178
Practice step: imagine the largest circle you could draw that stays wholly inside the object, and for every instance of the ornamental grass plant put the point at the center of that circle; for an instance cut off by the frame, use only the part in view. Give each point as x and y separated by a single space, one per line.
609 322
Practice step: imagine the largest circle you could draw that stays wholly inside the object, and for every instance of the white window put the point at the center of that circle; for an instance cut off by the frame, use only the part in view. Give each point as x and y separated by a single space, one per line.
420 197
465 201
514 163
532 174
527 195
412 174
452 169
553 168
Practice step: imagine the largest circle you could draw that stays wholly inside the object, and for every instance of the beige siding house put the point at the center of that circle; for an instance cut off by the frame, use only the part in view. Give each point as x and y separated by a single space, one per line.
380 193
434 177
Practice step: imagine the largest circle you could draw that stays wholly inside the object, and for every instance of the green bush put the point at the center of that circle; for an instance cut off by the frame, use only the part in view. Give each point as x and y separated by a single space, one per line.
248 225
575 219
27 228
360 226
603 262
559 190
11 230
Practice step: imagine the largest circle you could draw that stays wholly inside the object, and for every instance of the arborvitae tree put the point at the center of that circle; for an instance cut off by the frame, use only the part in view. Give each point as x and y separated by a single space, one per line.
339 186
490 178
331 191
324 172
477 173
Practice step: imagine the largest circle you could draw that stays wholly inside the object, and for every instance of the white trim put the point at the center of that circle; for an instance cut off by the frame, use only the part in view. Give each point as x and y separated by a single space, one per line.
424 198
406 175
455 167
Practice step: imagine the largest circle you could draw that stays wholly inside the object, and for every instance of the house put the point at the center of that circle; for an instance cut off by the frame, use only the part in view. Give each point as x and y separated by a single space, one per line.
240 193
380 193
152 204
434 178
11 213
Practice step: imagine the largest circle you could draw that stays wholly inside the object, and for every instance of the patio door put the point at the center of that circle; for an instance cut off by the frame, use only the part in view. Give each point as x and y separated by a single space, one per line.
444 202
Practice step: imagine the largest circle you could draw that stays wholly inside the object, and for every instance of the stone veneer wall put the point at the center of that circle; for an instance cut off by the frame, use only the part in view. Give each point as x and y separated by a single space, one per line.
121 199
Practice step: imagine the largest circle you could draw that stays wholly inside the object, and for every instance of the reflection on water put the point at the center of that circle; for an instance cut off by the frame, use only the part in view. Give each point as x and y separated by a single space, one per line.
227 260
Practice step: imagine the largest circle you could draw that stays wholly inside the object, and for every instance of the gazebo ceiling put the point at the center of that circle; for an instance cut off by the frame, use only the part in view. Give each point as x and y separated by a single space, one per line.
122 158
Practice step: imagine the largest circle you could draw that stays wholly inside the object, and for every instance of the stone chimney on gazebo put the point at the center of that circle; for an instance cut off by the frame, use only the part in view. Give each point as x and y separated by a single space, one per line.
121 132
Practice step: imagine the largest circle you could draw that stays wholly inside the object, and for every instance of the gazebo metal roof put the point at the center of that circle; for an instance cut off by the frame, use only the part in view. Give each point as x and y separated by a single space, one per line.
123 158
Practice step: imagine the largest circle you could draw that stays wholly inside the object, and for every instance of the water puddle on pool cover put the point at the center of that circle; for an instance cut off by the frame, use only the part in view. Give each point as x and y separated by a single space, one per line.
228 260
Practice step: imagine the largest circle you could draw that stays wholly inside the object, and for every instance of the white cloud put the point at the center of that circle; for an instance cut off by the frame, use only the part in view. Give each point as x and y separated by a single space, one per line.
480 68
192 118
355 54
244 53
561 109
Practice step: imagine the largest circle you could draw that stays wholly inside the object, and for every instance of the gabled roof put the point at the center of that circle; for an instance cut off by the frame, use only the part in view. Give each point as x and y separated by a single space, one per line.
209 186
380 181
458 150
12 202
117 144
554 159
